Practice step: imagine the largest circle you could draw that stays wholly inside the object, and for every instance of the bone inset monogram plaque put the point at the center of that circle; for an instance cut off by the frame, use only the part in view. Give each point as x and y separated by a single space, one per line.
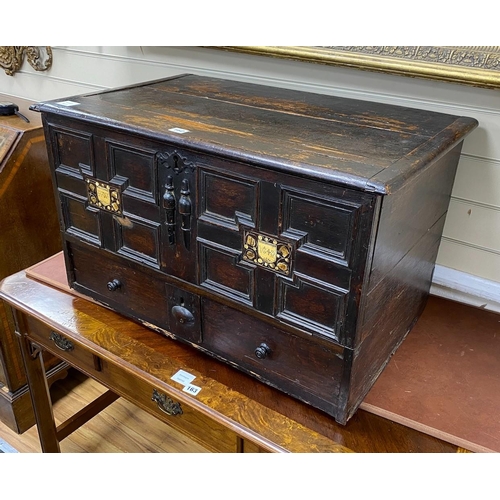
266 251
103 195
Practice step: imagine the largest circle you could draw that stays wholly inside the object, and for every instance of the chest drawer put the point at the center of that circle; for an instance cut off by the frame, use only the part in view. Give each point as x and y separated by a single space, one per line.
128 288
299 366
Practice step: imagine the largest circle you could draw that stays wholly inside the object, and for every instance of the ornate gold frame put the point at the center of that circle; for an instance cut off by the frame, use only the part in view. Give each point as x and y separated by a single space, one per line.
12 58
478 66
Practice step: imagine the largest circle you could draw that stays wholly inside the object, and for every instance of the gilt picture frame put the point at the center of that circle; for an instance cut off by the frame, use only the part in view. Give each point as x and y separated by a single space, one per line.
470 65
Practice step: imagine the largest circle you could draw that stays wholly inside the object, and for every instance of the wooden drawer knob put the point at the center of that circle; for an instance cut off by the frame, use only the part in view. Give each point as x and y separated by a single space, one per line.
182 315
262 351
114 285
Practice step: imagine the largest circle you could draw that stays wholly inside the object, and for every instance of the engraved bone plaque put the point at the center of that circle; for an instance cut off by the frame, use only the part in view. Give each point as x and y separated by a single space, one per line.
104 196
268 252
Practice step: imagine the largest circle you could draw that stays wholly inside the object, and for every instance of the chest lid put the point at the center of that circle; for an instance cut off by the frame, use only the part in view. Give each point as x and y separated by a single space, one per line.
370 146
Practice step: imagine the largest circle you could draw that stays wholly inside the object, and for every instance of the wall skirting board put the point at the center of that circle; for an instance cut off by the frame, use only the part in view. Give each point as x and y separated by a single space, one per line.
466 288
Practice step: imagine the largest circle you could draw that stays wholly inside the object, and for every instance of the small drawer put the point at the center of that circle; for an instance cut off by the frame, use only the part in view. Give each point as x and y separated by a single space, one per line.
64 348
158 402
120 284
299 366
129 290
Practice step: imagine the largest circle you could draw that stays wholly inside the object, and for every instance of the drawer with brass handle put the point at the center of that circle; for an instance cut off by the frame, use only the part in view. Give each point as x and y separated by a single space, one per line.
64 348
164 405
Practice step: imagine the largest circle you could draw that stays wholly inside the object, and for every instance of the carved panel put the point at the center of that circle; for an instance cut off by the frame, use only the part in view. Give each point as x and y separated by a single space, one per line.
327 225
226 199
79 219
138 166
221 271
312 306
73 150
139 239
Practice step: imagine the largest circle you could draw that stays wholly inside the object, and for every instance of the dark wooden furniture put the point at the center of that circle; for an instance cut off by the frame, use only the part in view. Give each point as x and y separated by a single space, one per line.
29 232
292 235
231 412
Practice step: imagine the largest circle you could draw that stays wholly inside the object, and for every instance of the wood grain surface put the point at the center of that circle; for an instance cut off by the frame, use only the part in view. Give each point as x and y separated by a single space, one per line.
258 412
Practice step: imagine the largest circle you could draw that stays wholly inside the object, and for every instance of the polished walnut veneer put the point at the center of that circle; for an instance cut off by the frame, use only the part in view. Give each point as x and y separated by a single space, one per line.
29 232
231 413
292 235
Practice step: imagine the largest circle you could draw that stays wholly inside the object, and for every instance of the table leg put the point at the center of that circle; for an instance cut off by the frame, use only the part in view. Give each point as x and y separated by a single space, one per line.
38 387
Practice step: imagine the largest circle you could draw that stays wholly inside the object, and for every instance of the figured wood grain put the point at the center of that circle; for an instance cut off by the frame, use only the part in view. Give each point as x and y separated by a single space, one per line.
264 416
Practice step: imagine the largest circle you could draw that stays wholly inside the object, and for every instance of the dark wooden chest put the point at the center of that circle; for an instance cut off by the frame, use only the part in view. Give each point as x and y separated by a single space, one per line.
292 235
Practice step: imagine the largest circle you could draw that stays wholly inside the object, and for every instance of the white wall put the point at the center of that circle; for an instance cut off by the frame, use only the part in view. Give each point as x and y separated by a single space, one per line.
469 255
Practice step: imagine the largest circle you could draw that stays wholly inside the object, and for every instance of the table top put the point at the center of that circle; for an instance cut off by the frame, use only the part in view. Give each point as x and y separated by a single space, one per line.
255 411
14 122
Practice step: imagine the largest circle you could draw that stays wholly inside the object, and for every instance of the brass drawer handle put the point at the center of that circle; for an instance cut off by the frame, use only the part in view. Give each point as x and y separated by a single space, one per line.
165 404
61 342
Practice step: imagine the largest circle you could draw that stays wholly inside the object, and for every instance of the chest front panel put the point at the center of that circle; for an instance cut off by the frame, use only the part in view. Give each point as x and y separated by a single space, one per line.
286 247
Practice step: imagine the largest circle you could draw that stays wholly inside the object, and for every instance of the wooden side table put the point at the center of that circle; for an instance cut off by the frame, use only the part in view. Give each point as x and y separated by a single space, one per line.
216 405
29 232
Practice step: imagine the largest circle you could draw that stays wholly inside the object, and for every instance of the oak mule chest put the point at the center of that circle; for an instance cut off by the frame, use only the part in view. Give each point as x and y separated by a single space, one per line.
292 235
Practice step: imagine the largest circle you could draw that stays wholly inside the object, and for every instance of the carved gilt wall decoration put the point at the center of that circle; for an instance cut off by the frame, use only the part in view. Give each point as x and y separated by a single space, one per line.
12 58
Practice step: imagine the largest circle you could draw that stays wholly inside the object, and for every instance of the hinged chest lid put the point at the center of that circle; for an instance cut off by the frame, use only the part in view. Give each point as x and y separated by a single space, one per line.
366 145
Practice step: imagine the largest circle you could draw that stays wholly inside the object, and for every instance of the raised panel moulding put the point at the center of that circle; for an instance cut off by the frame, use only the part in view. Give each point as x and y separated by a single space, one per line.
466 288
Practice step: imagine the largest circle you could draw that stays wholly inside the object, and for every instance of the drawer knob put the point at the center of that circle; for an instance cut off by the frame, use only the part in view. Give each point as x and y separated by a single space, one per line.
61 342
114 285
165 404
262 351
182 315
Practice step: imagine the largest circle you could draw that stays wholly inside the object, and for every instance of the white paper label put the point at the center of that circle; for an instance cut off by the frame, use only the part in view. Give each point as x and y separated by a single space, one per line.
68 103
192 389
178 130
183 377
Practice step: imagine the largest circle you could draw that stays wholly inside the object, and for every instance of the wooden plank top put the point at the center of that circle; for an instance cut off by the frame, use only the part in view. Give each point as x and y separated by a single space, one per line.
255 411
367 145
